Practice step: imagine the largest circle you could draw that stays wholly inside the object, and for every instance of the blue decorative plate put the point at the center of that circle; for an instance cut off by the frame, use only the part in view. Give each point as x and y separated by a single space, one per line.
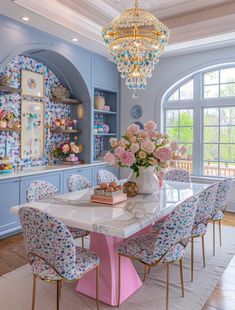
136 111
139 124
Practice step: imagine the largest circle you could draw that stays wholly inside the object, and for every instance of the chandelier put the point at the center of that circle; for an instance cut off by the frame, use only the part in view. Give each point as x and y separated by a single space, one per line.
136 39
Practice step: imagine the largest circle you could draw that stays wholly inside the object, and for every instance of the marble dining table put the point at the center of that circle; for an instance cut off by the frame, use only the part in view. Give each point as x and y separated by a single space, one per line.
109 225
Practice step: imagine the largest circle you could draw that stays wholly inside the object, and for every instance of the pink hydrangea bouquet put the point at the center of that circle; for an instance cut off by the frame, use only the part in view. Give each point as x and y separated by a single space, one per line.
140 148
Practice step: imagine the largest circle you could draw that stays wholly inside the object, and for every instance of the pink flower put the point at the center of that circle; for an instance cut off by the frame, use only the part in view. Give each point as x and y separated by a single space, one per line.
127 158
110 158
162 153
133 139
65 148
153 162
133 129
113 142
143 134
142 155
119 151
150 126
122 142
147 146
174 146
134 147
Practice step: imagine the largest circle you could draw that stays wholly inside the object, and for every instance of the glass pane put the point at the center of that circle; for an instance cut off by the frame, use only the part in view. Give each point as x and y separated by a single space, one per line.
173 133
186 91
227 90
211 117
186 134
210 152
189 151
227 152
227 75
172 117
174 96
211 91
227 169
186 117
211 168
211 78
227 116
211 134
227 134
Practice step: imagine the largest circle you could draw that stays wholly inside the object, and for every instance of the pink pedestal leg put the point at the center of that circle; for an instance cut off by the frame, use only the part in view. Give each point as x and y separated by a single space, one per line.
106 248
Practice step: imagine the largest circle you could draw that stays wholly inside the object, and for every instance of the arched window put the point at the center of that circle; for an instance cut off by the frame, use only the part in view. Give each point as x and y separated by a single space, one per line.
199 114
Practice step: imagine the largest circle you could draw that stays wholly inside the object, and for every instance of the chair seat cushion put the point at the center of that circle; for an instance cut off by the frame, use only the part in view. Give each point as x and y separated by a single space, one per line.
143 247
77 232
85 261
218 216
199 230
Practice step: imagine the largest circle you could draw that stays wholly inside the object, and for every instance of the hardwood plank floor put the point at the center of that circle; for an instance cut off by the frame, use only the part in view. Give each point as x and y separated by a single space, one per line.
12 256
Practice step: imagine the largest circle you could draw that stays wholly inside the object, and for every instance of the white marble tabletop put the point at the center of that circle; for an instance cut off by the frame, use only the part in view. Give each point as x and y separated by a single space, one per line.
122 220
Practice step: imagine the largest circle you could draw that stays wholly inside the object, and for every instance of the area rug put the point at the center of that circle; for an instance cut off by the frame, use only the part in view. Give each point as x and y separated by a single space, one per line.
16 287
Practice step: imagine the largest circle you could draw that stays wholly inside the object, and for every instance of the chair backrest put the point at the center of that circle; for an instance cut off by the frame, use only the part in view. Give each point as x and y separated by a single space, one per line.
205 205
177 226
222 195
50 239
105 176
38 190
178 175
77 182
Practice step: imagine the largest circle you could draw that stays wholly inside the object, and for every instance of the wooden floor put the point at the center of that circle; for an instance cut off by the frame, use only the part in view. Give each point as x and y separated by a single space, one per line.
12 256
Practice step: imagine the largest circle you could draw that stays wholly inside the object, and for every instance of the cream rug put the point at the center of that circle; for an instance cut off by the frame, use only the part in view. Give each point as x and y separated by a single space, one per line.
16 287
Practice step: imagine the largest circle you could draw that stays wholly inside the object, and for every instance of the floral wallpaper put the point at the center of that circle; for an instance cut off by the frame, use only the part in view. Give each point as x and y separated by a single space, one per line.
12 103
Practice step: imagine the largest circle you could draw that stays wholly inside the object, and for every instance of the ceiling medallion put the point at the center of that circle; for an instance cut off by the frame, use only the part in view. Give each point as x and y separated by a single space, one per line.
136 39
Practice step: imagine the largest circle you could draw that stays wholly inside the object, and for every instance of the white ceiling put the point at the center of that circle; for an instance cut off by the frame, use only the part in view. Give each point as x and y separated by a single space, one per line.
193 23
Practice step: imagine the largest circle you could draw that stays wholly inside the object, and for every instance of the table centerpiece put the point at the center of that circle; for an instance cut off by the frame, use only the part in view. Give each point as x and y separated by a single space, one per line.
146 152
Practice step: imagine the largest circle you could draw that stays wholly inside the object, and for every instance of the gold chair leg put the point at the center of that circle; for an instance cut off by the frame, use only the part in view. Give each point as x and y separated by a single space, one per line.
213 238
167 285
203 252
220 233
119 279
149 269
83 242
182 276
34 292
58 287
192 258
145 272
97 287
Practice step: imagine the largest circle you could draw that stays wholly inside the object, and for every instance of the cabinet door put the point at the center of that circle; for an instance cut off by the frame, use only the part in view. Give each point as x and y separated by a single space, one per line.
53 178
86 172
9 197
115 171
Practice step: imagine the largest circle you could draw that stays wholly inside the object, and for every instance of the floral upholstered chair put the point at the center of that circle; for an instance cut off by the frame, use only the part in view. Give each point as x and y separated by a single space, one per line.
201 220
38 190
105 176
221 203
178 175
52 252
165 246
77 182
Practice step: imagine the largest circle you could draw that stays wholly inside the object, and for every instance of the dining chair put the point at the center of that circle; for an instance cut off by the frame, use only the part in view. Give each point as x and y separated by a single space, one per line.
77 182
52 253
203 213
221 203
105 176
38 190
163 247
178 175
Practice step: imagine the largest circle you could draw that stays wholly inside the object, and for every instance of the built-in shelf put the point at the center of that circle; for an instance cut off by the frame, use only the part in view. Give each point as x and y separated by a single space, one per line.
66 101
105 112
66 131
10 129
9 90
105 134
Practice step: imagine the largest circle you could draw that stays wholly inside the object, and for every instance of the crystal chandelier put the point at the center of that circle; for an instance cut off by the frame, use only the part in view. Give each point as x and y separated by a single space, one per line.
136 39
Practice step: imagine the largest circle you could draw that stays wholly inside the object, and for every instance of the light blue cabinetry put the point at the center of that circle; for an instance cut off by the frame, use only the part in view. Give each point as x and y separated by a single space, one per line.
9 196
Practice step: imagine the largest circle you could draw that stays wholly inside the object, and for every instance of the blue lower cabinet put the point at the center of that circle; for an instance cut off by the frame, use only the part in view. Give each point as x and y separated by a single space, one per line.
10 196
86 172
54 178
115 171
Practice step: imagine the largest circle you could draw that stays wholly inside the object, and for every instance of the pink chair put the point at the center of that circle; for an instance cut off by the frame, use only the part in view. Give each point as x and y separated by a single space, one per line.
52 252
105 176
77 182
167 246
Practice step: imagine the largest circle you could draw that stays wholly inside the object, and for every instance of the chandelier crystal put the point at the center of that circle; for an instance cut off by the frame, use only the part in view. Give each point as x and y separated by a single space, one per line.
136 39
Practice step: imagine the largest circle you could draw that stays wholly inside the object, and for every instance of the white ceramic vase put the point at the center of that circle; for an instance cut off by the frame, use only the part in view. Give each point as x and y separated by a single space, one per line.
147 181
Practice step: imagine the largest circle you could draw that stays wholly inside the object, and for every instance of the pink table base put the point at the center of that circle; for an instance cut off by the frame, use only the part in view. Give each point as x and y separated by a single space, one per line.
106 248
